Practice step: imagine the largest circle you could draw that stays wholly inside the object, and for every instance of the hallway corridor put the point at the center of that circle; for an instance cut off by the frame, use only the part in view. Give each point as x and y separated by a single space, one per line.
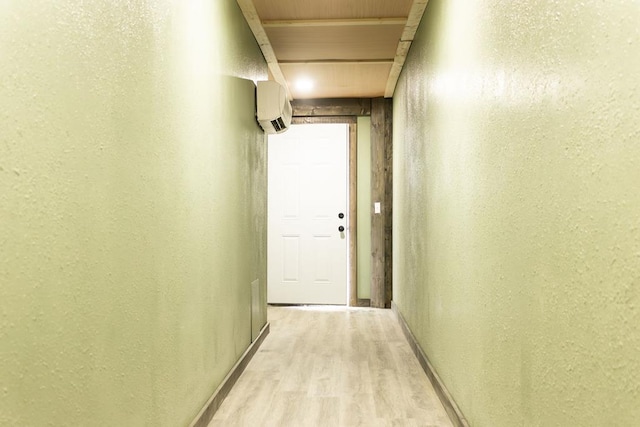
332 366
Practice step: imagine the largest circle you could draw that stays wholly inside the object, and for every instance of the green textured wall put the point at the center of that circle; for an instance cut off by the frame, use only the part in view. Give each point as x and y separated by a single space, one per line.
364 207
517 208
132 208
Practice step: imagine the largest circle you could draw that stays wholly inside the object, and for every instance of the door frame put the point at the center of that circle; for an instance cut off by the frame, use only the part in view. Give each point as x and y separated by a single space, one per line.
381 112
352 121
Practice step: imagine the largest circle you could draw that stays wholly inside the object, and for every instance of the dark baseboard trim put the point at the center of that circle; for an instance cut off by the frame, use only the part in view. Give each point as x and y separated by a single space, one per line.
363 302
206 414
456 416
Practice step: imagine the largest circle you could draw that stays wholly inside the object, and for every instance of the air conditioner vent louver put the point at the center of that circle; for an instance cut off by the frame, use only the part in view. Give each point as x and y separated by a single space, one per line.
278 124
274 110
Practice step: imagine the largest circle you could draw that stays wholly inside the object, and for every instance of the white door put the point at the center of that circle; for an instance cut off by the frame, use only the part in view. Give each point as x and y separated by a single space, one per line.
307 254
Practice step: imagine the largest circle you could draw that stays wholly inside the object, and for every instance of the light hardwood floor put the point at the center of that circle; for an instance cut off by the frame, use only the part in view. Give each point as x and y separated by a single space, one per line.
327 366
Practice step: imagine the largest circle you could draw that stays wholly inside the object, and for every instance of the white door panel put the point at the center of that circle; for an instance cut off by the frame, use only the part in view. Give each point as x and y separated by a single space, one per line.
307 255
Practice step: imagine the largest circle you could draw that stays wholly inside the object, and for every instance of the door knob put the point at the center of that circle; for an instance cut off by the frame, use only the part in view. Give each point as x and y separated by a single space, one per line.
340 215
341 229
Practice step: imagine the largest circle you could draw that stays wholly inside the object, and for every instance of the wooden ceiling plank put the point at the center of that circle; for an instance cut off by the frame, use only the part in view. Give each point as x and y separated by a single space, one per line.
331 9
333 22
340 43
413 21
340 80
251 16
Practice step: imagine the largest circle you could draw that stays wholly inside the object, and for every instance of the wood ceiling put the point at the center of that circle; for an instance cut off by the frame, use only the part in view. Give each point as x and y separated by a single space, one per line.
347 48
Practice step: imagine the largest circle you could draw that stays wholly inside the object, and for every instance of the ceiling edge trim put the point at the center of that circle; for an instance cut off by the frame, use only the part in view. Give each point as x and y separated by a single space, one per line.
413 21
251 16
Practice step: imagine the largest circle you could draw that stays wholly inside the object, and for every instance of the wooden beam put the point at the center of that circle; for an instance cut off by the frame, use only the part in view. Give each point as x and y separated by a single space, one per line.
340 61
323 119
381 188
331 107
413 21
252 18
396 68
333 22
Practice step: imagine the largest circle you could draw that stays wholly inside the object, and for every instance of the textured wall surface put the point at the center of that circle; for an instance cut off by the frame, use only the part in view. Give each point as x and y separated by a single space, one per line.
364 207
517 208
132 208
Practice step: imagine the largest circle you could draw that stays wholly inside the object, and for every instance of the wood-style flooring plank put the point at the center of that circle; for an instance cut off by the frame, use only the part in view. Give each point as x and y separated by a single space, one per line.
328 366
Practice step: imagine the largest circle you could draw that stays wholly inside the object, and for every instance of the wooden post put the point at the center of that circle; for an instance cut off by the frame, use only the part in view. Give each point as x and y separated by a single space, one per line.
381 192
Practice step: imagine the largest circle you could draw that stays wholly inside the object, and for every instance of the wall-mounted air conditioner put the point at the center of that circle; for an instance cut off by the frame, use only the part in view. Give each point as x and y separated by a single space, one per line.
274 109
